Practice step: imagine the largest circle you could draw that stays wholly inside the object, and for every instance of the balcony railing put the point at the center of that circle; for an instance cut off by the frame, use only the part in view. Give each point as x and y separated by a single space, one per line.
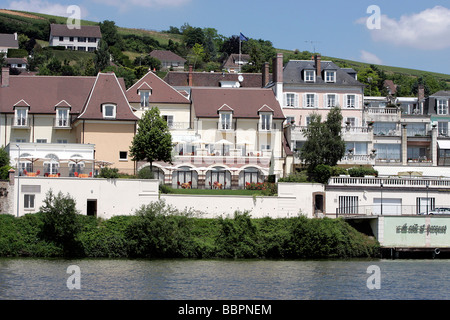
393 111
179 125
389 182
225 126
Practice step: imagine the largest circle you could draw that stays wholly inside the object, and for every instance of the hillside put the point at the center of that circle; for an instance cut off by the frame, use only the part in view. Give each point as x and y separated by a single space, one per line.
36 25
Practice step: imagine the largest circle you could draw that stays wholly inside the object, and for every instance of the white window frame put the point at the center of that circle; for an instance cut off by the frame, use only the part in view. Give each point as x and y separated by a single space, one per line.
291 99
62 117
307 100
120 156
442 106
104 108
225 120
443 128
169 120
61 141
21 120
348 102
310 75
145 97
327 100
265 121
41 140
29 201
330 76
353 121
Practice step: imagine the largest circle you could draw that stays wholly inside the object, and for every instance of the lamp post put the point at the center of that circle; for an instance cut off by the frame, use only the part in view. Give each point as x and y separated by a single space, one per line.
381 198
427 196
18 181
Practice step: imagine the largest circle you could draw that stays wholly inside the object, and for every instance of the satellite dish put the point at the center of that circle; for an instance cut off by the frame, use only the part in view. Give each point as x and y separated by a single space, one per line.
240 78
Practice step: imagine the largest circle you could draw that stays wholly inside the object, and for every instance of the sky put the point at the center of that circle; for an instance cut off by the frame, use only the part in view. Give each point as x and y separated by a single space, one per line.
403 33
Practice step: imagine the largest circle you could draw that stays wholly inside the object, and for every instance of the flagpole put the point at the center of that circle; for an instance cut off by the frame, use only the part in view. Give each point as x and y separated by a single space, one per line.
240 59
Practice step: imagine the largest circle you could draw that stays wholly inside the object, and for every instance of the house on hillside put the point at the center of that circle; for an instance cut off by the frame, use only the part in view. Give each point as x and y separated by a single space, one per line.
169 60
235 61
8 41
85 38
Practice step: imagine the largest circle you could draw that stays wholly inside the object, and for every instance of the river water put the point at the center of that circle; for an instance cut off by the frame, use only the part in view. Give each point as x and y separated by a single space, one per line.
110 279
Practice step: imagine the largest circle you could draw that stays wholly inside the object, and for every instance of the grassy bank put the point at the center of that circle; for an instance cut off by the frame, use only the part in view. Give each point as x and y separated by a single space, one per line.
160 231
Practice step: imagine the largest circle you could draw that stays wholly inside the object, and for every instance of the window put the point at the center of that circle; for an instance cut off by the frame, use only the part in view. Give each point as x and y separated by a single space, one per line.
348 204
28 201
351 121
169 120
351 101
384 128
265 147
330 76
442 106
290 119
71 39
424 204
62 118
61 38
331 100
145 95
443 129
21 140
310 76
359 148
388 151
123 156
310 100
21 117
90 39
41 140
81 48
265 121
81 39
291 100
225 121
109 111
61 141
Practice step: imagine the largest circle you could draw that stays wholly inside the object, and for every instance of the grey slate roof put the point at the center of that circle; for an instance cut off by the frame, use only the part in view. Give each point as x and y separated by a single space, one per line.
293 73
441 93
8 41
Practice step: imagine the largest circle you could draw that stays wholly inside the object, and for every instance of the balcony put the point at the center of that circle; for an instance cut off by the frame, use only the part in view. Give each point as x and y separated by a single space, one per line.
21 123
389 182
382 114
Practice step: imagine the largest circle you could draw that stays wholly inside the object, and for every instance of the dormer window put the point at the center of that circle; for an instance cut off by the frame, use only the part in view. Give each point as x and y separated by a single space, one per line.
62 117
265 120
310 76
109 111
442 106
225 120
21 117
145 95
330 76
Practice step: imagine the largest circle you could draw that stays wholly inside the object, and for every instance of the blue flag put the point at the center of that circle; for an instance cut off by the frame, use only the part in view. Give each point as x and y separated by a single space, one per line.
242 37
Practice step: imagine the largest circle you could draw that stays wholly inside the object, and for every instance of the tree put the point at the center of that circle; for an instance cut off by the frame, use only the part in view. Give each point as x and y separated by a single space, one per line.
324 144
110 34
60 221
153 141
102 56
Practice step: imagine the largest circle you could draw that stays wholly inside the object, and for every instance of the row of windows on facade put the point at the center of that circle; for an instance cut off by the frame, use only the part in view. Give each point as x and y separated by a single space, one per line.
311 100
79 39
62 115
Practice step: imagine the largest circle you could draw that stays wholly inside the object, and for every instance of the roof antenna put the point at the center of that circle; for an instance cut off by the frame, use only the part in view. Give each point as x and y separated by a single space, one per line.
312 45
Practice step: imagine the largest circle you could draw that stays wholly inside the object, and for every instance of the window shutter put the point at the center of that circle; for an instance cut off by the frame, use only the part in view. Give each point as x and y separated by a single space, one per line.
296 100
285 99
304 100
316 100
325 100
356 101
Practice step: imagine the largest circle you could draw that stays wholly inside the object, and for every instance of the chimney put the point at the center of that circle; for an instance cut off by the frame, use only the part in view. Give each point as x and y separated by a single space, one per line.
15 36
5 77
190 76
421 92
265 74
317 60
278 76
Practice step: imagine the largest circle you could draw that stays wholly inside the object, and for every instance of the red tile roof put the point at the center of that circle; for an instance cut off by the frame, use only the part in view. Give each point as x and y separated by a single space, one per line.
245 102
161 91
107 90
43 93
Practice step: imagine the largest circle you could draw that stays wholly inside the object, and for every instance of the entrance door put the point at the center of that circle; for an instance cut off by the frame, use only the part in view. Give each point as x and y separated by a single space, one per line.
92 208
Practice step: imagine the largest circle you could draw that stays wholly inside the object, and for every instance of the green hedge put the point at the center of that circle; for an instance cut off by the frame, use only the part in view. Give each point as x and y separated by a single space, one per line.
160 231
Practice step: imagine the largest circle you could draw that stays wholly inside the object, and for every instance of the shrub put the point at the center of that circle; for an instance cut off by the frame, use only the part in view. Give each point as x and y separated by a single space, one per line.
60 222
300 176
267 187
145 173
362 171
109 173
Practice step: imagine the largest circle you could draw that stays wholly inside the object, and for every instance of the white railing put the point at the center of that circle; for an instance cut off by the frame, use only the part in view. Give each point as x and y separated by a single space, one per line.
390 182
383 110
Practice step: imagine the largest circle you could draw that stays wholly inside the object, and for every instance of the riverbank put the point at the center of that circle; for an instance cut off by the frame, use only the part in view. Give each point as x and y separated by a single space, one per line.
160 231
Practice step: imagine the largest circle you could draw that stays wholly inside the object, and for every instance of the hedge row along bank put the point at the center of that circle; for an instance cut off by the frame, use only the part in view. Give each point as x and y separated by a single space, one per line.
160 231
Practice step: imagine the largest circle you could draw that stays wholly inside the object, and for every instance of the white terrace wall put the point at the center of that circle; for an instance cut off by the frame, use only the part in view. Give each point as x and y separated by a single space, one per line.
125 196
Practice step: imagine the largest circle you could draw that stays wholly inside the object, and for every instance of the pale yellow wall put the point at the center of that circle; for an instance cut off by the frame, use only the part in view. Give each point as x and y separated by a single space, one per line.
109 138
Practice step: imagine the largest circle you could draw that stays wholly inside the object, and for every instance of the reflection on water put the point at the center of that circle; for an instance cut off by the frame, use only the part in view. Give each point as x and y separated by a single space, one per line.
223 279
